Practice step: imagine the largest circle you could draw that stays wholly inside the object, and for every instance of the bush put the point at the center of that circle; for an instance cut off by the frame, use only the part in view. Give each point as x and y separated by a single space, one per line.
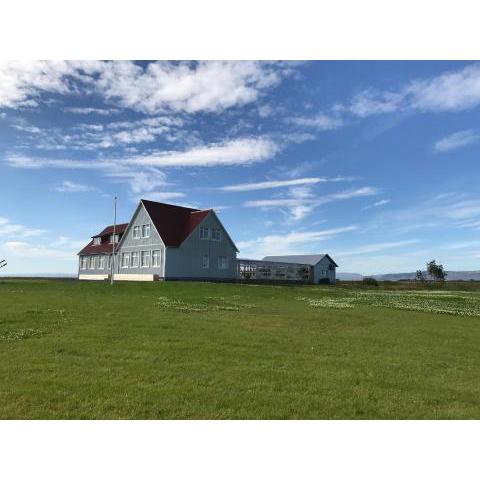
370 281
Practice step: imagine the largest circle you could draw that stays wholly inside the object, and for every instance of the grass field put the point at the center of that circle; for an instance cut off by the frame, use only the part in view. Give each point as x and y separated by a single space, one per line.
84 350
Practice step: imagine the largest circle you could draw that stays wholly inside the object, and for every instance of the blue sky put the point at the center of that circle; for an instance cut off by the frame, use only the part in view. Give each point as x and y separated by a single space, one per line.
375 163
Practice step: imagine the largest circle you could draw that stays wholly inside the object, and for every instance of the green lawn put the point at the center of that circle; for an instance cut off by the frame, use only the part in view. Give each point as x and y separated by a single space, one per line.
186 350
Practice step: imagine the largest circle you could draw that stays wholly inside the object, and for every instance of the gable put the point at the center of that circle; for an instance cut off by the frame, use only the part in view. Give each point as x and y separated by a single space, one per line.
173 223
214 217
140 217
104 247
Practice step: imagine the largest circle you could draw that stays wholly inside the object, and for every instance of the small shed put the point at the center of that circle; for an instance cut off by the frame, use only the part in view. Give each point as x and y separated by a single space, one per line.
323 266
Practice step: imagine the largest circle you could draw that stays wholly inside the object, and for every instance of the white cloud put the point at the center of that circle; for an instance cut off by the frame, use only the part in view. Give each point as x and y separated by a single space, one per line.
189 87
22 82
301 201
140 181
446 211
89 110
243 151
456 140
370 102
289 243
377 204
247 187
186 87
282 202
24 249
449 92
8 229
462 245
95 136
376 247
161 196
70 187
320 122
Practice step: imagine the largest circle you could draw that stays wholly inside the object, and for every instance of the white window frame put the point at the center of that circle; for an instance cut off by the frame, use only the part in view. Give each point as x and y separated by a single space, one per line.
215 231
97 240
135 255
202 235
136 232
109 262
92 262
117 238
156 258
205 264
101 262
125 260
145 254
146 228
222 262
84 263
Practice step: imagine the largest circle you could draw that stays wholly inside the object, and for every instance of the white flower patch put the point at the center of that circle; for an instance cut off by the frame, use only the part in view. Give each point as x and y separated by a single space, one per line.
326 302
450 303
180 305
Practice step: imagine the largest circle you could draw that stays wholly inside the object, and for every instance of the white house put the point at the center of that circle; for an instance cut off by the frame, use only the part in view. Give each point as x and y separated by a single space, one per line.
170 242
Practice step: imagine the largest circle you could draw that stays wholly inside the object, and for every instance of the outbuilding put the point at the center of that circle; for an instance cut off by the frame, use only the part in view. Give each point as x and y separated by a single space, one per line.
322 265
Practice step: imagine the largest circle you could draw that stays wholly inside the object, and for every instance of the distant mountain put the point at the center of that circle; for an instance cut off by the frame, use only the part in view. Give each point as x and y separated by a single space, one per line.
451 275
349 276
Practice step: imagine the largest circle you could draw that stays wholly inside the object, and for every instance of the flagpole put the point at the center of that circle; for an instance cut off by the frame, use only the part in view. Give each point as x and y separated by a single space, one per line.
113 243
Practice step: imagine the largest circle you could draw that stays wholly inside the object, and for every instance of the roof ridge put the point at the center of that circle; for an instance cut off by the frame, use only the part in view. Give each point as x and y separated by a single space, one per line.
170 205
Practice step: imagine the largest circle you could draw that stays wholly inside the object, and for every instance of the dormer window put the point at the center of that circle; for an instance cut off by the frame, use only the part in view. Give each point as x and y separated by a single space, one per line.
97 240
146 231
216 234
204 233
114 239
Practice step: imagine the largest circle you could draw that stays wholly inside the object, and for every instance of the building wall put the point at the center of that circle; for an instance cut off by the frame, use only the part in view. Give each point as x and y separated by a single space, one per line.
322 270
129 244
96 270
186 260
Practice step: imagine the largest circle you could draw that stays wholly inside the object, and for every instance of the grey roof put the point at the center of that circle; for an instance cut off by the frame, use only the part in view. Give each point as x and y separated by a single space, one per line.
305 259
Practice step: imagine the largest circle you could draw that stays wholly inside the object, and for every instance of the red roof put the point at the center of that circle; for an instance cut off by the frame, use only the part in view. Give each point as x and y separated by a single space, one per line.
173 223
120 228
105 247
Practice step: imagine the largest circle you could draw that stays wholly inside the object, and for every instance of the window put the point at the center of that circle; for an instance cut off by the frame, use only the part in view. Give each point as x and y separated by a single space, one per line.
216 234
145 258
222 262
83 264
205 261
204 233
97 240
114 239
109 262
134 259
92 263
136 232
125 259
146 231
156 258
102 262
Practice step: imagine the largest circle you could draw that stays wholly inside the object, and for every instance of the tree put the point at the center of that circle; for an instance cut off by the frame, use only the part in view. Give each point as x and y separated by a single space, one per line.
435 271
419 276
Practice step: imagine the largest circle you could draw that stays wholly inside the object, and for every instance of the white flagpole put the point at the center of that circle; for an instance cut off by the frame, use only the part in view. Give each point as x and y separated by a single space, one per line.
113 243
